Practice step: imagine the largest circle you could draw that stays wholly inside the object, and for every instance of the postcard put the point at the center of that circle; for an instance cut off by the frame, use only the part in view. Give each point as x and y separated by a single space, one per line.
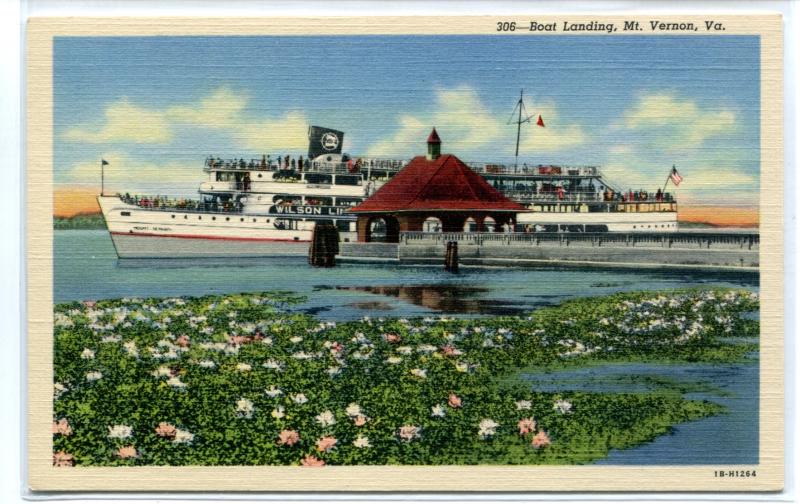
518 253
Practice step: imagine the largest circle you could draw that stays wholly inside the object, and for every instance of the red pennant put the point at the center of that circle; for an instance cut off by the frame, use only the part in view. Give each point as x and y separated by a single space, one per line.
540 122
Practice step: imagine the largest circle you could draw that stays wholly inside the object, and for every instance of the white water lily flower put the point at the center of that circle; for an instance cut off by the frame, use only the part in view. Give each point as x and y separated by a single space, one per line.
462 367
114 338
162 371
438 411
120 431
245 408
87 354
273 391
353 410
93 375
279 412
426 348
208 364
523 405
404 350
244 367
273 364
361 442
419 373
296 339
176 382
394 359
333 371
299 398
326 418
487 428
130 348
59 389
562 406
183 437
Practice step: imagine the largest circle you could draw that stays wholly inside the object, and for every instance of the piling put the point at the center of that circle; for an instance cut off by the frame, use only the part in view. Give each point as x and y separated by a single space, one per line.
324 246
451 257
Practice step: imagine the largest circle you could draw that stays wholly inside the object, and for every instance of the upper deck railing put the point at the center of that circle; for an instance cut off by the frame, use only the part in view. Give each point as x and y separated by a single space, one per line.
392 165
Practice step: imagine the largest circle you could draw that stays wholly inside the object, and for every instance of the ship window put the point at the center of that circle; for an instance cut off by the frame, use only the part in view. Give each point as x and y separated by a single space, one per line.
254 220
185 216
213 218
125 214
634 227
227 218
318 178
267 221
241 219
260 175
348 179
199 217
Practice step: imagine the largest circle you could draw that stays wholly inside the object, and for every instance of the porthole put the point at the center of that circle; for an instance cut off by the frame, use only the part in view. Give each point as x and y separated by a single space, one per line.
259 175
227 218
199 217
634 227
213 218
173 216
125 214
254 220
241 219
267 221
185 216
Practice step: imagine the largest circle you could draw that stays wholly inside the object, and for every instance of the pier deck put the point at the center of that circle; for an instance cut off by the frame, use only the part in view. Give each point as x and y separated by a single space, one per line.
695 250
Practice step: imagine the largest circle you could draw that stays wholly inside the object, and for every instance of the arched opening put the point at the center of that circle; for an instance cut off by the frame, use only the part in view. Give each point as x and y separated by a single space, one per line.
489 225
470 226
432 225
377 229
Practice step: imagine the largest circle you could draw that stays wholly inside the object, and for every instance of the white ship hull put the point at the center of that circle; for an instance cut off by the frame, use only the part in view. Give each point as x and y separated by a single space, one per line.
172 233
622 222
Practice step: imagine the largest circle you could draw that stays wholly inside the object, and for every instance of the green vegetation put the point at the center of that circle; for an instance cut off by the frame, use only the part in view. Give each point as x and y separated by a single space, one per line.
243 380
82 221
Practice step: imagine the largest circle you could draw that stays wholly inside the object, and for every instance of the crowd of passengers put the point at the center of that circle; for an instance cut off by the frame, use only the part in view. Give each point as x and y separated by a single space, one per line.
288 162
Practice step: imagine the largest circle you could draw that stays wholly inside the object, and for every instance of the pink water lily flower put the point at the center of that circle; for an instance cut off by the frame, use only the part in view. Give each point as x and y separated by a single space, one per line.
454 401
540 440
360 420
288 438
312 461
526 425
127 452
166 430
63 459
391 338
182 341
326 443
62 427
89 303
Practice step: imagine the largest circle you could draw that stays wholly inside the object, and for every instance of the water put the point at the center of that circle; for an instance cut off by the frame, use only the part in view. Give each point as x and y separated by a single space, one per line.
731 438
86 267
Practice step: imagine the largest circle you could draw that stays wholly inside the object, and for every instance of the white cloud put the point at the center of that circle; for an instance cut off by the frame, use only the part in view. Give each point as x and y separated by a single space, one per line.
676 123
467 126
223 109
125 174
125 122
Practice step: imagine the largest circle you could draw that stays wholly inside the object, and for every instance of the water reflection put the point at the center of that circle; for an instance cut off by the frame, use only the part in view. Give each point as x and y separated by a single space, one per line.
448 298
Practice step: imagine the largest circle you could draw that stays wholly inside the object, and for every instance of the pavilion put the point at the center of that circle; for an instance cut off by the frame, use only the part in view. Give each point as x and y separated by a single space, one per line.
434 193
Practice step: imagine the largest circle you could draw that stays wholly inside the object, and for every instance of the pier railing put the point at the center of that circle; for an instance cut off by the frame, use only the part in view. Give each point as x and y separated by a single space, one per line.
711 240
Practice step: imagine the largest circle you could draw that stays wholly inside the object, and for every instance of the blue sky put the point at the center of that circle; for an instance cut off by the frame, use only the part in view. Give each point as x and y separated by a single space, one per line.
155 107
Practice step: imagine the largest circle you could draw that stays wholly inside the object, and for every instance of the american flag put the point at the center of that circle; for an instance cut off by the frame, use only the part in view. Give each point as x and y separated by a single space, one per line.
675 176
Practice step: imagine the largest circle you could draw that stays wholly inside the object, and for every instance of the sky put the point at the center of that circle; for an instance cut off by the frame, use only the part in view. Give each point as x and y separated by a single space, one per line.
155 107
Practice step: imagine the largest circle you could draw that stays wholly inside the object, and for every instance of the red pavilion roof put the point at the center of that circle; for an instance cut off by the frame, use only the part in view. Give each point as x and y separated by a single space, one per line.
445 183
434 137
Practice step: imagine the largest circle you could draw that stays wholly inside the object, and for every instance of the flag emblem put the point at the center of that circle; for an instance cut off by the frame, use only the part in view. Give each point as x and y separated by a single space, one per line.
103 162
540 122
675 177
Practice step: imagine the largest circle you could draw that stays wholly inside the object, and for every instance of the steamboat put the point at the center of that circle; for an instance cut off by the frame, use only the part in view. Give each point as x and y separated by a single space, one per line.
269 206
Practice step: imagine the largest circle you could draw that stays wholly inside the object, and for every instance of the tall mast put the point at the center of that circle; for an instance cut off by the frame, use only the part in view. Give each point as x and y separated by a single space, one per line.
519 109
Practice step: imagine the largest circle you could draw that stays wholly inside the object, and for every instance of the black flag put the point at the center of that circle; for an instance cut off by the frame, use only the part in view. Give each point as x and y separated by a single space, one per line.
103 162
324 141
